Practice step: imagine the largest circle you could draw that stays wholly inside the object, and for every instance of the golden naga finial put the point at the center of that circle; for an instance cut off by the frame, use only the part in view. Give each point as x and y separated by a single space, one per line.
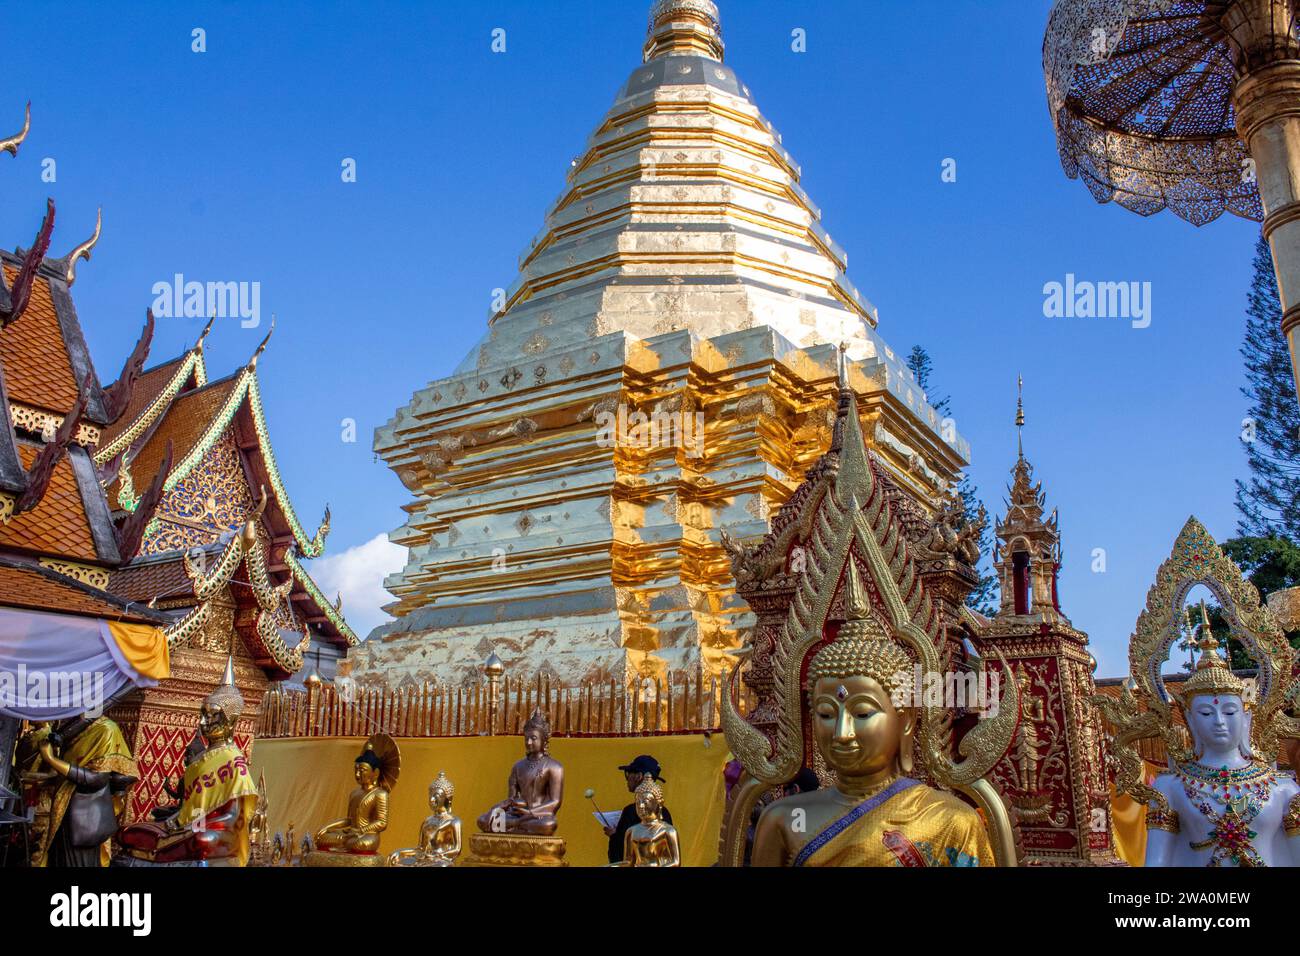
250 525
83 251
203 336
11 144
252 362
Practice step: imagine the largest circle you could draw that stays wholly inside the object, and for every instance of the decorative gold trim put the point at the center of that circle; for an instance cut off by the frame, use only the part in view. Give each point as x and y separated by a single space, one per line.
95 577
7 503
37 422
193 363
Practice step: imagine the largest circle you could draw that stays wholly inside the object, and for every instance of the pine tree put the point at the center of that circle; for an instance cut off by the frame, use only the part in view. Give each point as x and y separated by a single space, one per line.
1269 502
981 598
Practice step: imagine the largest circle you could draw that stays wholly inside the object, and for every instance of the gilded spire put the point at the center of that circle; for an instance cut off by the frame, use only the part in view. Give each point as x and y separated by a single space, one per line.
1020 415
684 28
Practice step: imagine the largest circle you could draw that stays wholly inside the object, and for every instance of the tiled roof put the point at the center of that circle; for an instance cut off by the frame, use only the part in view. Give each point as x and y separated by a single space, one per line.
147 387
164 580
58 525
38 371
184 423
40 589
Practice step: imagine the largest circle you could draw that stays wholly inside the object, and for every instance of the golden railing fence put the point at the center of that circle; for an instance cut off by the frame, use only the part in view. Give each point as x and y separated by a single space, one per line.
677 703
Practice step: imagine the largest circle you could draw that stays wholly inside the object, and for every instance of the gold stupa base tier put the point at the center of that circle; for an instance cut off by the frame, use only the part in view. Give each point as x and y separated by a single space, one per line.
329 858
514 849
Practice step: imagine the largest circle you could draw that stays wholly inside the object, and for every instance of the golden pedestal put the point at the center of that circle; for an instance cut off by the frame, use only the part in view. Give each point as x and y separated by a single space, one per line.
329 858
514 849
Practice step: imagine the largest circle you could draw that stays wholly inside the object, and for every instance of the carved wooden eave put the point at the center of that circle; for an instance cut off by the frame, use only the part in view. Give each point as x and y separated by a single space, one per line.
191 372
257 620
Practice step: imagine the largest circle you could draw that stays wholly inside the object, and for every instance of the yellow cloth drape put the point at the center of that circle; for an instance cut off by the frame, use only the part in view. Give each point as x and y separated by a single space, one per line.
144 647
1129 825
308 782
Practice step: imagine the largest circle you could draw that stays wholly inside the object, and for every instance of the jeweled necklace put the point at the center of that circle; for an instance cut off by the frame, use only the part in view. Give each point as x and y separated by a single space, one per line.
1244 792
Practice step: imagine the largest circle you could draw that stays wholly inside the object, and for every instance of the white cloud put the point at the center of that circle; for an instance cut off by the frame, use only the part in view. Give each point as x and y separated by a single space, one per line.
358 574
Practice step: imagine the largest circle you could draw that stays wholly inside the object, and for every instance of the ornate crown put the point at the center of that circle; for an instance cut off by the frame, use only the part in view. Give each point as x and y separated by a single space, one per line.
1213 675
861 646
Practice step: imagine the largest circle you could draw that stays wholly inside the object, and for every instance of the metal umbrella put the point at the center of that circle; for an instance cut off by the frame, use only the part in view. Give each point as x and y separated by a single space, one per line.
1186 105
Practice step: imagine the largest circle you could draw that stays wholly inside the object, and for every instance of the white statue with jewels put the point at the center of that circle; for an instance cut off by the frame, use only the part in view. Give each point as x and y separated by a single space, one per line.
1224 800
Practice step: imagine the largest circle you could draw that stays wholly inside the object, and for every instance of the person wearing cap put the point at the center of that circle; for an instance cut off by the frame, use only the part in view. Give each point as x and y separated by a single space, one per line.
634 773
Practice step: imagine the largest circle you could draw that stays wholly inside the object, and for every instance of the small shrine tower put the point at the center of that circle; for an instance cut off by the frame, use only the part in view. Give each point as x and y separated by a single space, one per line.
1053 774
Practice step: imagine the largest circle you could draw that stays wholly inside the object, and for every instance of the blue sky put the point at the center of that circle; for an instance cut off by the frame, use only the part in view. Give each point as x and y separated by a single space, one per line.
225 165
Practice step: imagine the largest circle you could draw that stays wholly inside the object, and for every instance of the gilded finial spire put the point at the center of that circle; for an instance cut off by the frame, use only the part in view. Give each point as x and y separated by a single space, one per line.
684 28
1020 415
203 336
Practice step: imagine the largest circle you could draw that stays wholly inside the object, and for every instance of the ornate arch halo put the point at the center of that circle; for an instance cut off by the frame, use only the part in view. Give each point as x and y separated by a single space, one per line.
1146 709
846 530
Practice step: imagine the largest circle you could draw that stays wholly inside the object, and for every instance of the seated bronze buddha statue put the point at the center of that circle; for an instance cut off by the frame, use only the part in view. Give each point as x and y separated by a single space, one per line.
534 790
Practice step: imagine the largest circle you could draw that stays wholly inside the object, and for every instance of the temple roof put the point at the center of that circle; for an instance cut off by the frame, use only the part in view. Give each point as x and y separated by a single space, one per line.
153 390
41 589
44 353
71 520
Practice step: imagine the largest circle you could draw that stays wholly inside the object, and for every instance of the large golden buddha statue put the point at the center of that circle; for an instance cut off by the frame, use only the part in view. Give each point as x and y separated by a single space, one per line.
440 840
838 671
218 797
354 840
875 814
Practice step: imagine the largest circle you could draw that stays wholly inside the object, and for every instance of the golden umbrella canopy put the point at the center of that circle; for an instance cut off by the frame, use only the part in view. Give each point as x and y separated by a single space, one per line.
1142 97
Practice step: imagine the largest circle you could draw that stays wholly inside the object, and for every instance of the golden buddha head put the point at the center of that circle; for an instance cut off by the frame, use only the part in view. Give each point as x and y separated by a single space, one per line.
367 767
649 798
221 709
440 793
855 686
537 734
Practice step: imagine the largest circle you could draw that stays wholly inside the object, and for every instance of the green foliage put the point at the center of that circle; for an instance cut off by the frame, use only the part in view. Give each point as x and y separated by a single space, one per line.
982 598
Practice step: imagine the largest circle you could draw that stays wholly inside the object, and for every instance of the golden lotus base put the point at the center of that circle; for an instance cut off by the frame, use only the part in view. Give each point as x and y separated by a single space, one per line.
328 858
514 849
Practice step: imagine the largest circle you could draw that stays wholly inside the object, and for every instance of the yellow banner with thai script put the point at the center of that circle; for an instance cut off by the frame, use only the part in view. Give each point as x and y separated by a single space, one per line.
216 778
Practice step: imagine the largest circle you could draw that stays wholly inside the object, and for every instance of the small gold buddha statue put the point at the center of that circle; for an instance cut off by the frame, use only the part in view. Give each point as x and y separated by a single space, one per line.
440 839
354 840
652 842
534 790
875 814
218 797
